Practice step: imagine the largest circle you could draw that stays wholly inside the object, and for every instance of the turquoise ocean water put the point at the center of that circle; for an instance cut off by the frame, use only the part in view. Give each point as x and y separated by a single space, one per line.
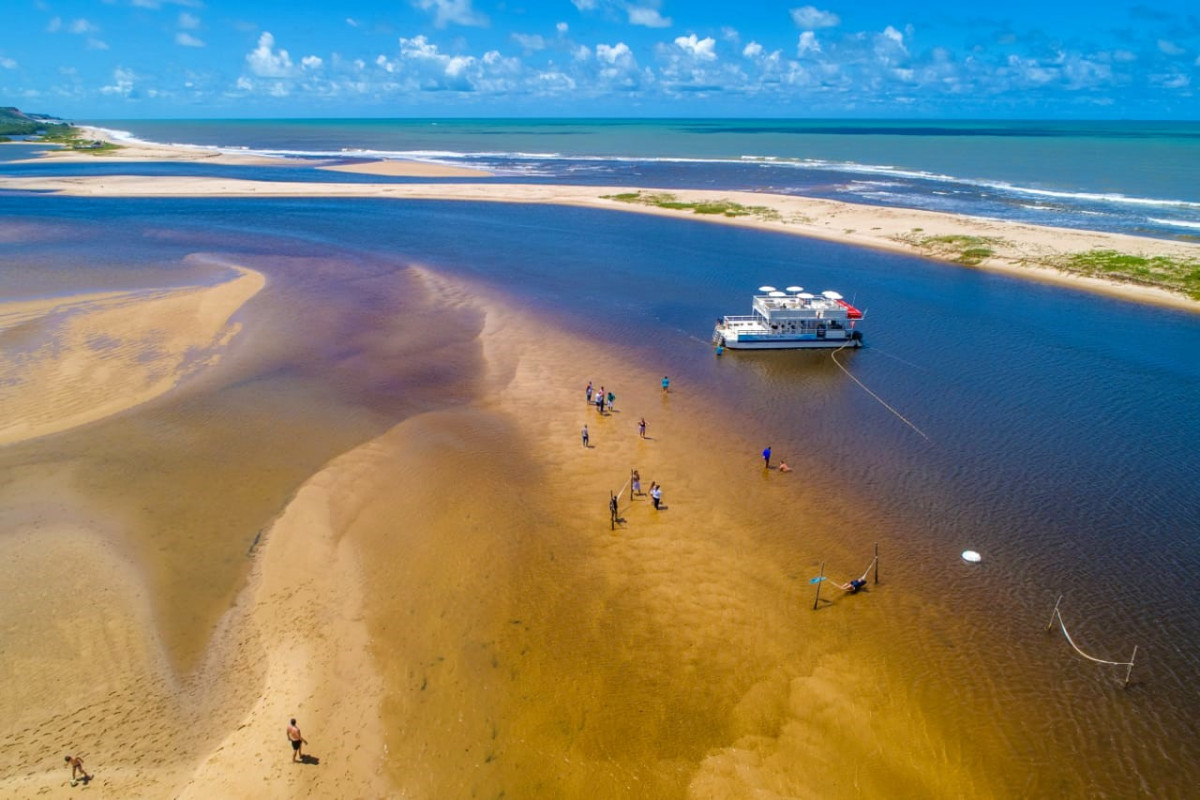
1136 177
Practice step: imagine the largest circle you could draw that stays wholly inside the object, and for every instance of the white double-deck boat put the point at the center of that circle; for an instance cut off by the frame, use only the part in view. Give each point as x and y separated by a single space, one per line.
792 319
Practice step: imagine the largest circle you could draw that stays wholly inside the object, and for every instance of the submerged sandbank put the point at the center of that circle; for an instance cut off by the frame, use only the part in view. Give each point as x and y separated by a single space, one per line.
68 361
1019 249
409 169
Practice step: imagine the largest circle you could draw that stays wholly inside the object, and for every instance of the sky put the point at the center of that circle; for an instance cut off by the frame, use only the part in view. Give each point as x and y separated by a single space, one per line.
1070 59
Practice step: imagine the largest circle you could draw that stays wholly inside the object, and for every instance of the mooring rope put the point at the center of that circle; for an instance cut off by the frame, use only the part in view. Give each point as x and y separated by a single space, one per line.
878 399
1075 647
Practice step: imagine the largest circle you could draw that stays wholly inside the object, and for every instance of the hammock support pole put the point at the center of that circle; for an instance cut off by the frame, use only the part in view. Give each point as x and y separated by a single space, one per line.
1129 671
820 580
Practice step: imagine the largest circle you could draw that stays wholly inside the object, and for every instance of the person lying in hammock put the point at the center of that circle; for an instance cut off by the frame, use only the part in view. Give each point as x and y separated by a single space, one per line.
853 586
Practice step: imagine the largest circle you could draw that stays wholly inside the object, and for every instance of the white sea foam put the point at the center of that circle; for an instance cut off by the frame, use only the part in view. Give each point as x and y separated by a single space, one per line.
451 157
1175 223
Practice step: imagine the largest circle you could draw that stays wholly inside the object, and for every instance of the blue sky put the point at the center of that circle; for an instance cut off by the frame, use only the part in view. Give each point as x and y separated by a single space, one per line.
267 58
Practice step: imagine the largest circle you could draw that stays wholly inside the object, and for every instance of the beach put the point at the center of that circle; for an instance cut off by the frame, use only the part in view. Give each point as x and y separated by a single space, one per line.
1028 251
306 479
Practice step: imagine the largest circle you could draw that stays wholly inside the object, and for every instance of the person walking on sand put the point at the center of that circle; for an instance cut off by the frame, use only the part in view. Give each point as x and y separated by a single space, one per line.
612 399
666 384
589 392
642 427
656 496
76 764
767 457
635 483
584 433
298 741
600 400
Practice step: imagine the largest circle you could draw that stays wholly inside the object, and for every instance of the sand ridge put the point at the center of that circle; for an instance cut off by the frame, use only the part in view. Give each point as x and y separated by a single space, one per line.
68 361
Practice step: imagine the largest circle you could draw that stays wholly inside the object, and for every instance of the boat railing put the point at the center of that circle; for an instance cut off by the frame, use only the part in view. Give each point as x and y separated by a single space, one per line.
735 319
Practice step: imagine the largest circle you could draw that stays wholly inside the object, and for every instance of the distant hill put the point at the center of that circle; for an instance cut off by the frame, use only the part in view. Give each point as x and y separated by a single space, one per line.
14 122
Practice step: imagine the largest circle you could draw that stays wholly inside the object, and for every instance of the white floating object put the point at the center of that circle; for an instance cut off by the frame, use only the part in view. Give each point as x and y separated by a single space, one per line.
831 295
971 557
795 289
767 289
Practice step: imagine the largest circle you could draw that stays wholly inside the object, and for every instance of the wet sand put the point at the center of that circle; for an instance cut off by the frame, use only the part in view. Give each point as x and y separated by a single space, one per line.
409 169
446 611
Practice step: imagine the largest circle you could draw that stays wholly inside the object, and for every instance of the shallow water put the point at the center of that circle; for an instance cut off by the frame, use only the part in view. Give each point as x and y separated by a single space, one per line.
1062 443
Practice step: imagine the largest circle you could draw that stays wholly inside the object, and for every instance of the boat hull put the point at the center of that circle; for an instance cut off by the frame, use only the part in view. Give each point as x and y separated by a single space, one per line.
791 344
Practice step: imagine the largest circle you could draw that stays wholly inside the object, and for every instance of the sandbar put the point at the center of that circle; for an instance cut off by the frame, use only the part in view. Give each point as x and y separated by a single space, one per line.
409 169
68 361
1019 249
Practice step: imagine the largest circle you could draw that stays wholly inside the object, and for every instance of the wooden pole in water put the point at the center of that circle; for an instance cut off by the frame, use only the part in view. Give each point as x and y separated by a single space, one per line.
612 510
1129 671
877 562
820 580
1052 613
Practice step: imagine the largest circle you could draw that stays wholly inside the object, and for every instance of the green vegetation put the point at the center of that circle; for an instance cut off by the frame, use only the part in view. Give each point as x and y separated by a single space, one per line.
14 122
966 250
723 208
71 138
1178 274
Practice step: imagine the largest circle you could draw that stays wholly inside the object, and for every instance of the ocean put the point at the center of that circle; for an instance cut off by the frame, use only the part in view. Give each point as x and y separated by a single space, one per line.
1134 177
1058 430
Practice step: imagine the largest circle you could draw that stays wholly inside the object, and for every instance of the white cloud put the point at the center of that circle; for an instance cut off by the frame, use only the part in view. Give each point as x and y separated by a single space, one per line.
188 22
1170 48
562 27
811 18
699 49
352 22
96 44
584 5
647 17
616 54
55 25
8 63
266 62
529 42
452 12
245 84
730 34
752 50
122 83
807 43
82 26
1174 81
311 62
185 39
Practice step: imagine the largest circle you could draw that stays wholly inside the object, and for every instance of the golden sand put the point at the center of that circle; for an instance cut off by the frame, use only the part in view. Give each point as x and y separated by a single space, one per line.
410 169
68 361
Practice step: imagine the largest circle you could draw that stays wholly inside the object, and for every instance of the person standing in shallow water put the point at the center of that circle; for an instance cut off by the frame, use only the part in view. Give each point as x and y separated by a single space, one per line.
642 428
297 740
584 434
767 457
666 384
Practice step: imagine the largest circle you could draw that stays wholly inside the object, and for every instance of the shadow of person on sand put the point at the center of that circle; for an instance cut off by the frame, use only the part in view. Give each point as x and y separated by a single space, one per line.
307 759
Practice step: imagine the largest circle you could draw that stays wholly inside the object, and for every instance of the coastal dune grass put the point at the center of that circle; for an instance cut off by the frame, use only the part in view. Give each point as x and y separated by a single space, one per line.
1180 274
726 208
